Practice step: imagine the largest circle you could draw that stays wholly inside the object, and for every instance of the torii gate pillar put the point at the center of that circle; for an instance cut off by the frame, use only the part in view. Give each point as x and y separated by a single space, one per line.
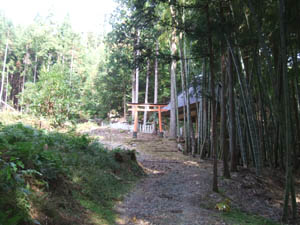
136 121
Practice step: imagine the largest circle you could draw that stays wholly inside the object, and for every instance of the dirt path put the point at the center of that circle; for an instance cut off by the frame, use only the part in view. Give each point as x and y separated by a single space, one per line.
171 194
177 188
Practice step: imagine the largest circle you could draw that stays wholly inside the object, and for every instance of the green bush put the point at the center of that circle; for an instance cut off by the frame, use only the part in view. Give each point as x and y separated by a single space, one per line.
23 155
54 96
57 161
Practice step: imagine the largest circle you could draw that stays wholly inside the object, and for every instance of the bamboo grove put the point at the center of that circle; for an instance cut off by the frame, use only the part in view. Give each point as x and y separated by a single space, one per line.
244 56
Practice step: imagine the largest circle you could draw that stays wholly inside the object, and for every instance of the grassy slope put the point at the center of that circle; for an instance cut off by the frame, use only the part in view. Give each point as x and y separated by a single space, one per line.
56 178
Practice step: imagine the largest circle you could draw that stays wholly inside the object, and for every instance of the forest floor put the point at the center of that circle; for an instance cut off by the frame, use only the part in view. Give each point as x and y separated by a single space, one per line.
178 188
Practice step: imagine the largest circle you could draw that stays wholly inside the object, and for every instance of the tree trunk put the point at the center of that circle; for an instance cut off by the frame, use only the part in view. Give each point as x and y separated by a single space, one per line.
125 105
184 89
146 91
173 125
71 67
156 73
240 136
205 112
188 105
289 185
200 112
23 86
137 68
35 69
296 104
6 92
232 127
223 141
223 128
3 70
213 104
133 86
177 113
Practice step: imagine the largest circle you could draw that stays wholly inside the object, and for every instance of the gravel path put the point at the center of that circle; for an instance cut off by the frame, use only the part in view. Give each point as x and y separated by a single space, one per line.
177 188
172 196
174 192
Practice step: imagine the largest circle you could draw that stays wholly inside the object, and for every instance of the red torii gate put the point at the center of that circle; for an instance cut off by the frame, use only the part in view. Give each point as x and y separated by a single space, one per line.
137 107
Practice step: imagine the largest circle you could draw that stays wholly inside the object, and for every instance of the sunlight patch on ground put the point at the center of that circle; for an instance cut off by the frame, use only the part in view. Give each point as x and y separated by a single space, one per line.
125 220
150 171
139 221
96 219
121 221
82 127
191 163
147 170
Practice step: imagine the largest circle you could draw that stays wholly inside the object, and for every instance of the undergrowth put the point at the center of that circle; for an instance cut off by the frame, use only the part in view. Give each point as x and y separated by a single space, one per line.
54 178
237 217
12 117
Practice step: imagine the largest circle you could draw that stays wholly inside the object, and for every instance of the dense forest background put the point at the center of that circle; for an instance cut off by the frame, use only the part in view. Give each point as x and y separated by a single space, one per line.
159 48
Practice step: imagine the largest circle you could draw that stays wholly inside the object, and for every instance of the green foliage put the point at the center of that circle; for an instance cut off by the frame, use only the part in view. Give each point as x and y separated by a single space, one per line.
224 205
49 160
23 156
54 96
59 67
103 181
236 217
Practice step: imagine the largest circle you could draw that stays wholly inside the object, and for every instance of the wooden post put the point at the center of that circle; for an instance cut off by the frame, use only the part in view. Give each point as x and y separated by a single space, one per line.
136 121
159 121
